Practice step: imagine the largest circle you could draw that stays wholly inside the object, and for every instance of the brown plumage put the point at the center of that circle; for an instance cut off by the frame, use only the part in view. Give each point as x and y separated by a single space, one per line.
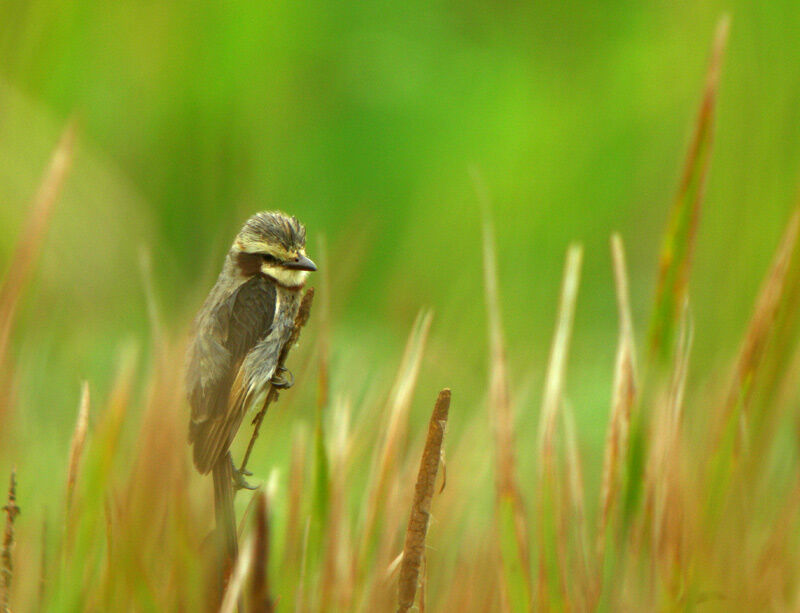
240 322
239 334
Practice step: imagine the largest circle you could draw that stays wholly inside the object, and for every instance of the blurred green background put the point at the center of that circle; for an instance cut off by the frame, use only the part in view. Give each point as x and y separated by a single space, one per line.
367 121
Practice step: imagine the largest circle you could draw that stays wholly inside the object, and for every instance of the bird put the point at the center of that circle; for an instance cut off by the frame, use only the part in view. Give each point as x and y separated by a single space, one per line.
239 333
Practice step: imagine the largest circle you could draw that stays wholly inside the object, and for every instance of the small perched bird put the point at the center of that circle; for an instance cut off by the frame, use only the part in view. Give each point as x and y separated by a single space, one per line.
239 335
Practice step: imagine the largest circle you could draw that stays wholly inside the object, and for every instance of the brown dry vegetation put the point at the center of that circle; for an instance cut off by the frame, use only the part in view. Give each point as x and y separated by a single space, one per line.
707 514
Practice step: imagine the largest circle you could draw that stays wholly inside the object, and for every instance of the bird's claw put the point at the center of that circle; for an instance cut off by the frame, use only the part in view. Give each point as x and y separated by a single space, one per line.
283 379
239 481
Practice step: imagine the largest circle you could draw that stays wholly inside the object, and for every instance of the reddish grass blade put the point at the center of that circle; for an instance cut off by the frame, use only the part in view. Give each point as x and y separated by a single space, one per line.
26 255
679 239
582 588
623 396
77 444
763 319
501 411
665 482
402 392
29 248
511 522
399 405
732 426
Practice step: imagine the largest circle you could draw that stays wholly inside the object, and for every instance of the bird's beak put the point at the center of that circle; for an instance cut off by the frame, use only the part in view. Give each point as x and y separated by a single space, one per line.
301 262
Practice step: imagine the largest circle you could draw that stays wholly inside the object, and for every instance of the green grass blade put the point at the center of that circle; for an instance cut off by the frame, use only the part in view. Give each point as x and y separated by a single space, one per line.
679 238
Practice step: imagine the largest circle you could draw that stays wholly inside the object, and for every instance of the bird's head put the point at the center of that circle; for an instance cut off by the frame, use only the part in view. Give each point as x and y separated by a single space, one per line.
274 244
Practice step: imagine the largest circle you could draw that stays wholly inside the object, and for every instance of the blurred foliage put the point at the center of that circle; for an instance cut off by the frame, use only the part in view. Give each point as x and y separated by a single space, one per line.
365 120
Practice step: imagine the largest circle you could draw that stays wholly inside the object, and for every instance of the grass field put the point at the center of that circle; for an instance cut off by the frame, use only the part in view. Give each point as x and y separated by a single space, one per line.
610 445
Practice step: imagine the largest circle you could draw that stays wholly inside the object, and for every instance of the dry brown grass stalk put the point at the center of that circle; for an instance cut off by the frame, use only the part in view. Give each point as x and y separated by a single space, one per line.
552 399
473 584
150 520
301 582
6 555
394 567
294 528
623 396
778 547
23 261
108 428
77 445
259 597
240 573
26 254
414 548
665 480
582 584
423 585
557 364
403 390
336 588
248 517
681 371
761 323
398 407
501 413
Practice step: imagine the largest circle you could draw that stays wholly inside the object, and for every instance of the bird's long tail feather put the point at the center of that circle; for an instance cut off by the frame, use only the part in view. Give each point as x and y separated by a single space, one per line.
224 513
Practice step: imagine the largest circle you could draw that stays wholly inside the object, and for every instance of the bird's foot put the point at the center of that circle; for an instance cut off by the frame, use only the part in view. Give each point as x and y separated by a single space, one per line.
239 481
283 379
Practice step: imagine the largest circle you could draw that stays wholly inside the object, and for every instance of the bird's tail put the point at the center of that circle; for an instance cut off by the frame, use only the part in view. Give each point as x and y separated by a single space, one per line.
224 513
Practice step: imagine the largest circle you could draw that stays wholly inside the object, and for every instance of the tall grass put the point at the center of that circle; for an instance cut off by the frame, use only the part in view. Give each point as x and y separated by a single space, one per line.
699 488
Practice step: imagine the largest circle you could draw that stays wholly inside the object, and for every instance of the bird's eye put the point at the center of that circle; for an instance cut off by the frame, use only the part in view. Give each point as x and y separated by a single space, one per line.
269 258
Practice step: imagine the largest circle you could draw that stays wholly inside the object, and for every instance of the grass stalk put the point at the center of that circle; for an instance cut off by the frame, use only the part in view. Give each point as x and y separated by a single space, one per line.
77 445
399 405
762 324
551 546
675 260
679 240
414 548
7 553
513 537
557 364
576 490
26 254
241 572
260 597
623 397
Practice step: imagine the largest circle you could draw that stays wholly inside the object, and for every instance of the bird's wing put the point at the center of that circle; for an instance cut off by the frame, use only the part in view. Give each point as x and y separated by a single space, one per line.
208 368
238 324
